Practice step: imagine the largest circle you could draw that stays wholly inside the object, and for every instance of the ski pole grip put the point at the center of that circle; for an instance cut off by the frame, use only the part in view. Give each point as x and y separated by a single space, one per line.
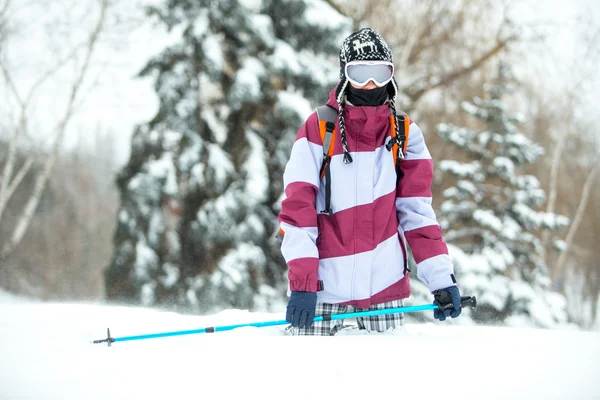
468 301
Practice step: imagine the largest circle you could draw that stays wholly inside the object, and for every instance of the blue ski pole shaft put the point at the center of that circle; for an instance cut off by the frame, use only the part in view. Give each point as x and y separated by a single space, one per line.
465 302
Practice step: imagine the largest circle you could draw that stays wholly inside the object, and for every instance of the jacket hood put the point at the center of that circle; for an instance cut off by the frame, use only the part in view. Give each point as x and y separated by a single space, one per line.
332 102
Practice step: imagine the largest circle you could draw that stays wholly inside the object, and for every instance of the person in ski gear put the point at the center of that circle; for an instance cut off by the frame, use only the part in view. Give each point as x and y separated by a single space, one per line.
344 233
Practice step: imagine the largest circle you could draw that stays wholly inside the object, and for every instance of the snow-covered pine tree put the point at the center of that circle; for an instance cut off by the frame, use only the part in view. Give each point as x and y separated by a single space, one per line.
202 189
490 215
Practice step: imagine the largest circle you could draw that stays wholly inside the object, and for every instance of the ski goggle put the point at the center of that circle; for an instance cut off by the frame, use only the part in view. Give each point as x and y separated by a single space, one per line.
361 72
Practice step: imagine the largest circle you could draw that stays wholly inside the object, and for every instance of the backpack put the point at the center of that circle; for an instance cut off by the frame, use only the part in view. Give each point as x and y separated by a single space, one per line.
327 116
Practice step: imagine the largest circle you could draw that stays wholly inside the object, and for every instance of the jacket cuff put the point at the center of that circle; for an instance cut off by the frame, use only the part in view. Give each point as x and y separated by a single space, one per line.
303 275
442 282
437 272
307 285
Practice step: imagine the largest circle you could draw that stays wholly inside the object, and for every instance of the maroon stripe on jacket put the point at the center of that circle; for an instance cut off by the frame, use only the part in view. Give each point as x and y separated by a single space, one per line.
303 274
426 242
300 201
366 139
416 179
357 229
359 138
396 291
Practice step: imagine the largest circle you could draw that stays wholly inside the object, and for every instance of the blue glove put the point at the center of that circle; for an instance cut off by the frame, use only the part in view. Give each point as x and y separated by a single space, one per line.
301 309
449 302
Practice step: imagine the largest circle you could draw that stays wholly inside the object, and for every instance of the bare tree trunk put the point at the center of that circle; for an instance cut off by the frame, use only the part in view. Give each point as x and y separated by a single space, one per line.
40 183
7 191
585 194
572 94
552 192
8 183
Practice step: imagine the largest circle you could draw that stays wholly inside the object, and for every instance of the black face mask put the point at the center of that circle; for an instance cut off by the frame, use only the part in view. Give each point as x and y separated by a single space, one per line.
366 97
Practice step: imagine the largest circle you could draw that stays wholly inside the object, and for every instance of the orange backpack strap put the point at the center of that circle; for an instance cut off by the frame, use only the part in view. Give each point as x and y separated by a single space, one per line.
280 234
327 116
397 145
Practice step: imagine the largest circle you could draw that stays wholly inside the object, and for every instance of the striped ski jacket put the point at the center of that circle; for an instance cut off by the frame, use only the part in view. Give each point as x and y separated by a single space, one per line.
357 255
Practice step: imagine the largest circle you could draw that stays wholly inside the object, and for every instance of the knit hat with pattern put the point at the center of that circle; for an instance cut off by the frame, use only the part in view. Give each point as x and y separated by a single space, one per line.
362 45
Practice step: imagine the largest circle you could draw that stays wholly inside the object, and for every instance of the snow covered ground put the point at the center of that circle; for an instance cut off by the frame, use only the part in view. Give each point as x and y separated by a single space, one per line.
47 354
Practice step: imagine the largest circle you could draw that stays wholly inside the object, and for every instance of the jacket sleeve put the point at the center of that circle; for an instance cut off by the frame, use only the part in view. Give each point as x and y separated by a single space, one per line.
417 217
298 216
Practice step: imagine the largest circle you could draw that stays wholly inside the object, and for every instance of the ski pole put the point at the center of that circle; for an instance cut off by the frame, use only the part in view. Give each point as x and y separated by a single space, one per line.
466 301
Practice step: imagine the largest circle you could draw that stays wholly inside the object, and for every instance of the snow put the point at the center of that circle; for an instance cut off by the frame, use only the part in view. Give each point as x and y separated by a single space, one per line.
220 163
321 13
284 58
146 259
256 182
232 270
496 296
246 86
201 23
263 27
463 170
505 165
213 51
171 275
51 357
216 126
510 228
164 168
155 227
488 219
295 102
252 5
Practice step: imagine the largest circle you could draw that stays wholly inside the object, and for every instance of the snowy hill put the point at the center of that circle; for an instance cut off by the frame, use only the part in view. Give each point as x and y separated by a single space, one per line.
47 354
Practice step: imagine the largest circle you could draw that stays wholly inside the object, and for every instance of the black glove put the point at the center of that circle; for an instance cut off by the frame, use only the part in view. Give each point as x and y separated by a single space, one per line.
301 309
448 301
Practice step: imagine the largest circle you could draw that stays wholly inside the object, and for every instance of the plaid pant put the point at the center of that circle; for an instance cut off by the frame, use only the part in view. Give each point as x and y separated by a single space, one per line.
378 323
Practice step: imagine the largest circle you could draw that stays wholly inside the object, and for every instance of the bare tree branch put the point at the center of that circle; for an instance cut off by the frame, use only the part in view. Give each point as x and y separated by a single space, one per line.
3 20
12 145
419 31
553 190
21 127
16 181
414 34
415 91
40 183
581 77
4 9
